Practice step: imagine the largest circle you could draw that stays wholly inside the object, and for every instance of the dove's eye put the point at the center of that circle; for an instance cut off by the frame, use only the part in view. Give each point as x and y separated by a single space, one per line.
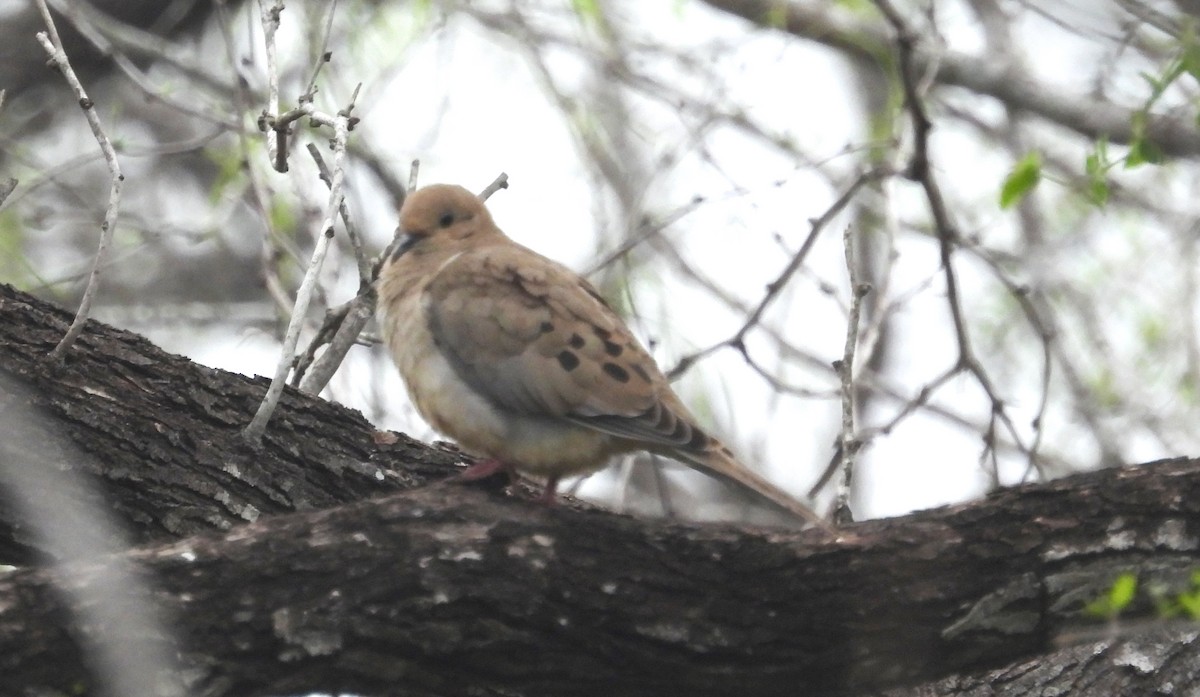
446 220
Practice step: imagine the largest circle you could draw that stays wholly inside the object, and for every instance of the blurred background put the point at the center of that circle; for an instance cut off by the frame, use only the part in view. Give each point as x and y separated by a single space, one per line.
680 154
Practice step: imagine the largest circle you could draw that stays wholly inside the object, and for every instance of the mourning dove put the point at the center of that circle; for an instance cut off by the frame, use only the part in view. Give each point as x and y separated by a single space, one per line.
521 361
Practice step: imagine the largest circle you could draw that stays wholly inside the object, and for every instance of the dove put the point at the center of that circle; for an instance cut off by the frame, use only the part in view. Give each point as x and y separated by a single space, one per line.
522 362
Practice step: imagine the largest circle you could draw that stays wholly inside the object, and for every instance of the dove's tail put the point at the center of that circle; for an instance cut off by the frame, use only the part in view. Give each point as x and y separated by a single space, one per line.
718 461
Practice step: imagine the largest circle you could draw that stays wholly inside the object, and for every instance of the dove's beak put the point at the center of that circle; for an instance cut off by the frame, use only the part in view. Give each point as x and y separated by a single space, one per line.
403 242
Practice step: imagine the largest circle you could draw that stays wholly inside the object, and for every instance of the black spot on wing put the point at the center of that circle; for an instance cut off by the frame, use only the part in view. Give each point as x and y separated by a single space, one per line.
576 341
612 349
616 372
546 327
568 360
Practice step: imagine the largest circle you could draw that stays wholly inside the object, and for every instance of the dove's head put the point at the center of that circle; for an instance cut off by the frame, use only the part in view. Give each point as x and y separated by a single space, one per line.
444 215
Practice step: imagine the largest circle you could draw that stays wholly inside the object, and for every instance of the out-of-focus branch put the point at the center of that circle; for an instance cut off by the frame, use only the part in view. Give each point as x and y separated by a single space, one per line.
53 45
775 287
863 38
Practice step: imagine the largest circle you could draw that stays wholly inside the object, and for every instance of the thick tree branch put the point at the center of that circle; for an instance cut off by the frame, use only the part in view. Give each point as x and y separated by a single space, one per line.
450 589
163 433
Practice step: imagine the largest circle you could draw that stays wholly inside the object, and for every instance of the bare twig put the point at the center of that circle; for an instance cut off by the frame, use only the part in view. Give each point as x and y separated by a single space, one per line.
85 17
848 443
648 231
277 135
53 45
6 188
356 241
500 182
921 172
324 56
341 124
357 313
413 171
860 35
774 288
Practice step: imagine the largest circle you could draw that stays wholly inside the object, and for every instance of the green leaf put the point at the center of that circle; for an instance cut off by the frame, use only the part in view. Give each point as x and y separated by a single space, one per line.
1123 590
1096 167
1119 596
1020 181
1142 152
1190 604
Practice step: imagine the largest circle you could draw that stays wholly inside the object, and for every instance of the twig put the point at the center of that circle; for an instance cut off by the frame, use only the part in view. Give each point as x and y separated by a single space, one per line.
774 288
356 241
413 171
501 182
848 443
277 139
341 124
357 313
325 55
6 188
84 17
53 46
921 172
649 230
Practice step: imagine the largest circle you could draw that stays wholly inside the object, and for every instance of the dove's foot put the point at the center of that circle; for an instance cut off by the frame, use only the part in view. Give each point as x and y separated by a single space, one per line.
485 469
550 494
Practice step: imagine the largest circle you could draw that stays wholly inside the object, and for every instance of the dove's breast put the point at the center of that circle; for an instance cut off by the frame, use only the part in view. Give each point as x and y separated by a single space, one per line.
539 445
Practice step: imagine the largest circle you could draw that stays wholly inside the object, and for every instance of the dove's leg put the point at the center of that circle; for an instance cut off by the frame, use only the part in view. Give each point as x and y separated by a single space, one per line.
550 493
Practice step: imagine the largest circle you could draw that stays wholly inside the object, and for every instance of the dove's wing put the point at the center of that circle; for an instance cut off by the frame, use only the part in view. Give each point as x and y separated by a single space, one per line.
536 339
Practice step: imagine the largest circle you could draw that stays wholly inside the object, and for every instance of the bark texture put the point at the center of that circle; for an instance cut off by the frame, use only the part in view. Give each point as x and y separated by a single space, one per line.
323 561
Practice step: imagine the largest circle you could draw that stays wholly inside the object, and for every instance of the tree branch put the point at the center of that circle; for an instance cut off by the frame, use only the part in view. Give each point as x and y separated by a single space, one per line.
436 588
863 39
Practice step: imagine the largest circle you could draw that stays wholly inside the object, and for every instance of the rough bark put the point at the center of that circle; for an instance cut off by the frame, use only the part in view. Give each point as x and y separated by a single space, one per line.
449 589
162 435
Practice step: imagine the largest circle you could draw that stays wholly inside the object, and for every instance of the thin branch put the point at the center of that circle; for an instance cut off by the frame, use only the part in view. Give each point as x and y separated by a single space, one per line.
6 188
324 56
848 440
921 172
357 313
84 17
53 45
341 124
277 137
648 231
860 36
413 171
774 288
356 241
500 182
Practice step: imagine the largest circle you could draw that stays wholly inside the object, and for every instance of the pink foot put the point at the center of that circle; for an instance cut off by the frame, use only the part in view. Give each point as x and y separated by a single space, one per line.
549 494
484 469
